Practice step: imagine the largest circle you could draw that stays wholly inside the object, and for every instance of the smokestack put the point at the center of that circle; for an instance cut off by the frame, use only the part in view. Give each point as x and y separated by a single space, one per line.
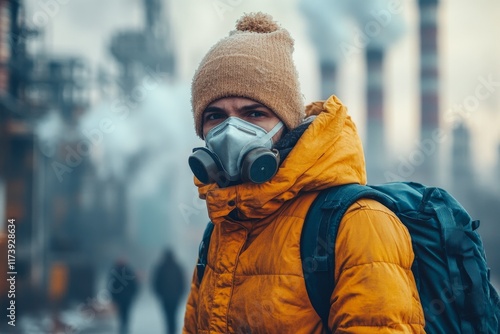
5 35
383 25
429 81
326 28
152 11
429 76
462 172
375 140
328 72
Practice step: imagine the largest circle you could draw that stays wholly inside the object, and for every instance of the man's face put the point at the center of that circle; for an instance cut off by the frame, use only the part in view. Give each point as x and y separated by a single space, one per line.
246 109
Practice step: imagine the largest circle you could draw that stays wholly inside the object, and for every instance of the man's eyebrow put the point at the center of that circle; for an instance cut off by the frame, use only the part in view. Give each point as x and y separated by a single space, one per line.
213 109
252 106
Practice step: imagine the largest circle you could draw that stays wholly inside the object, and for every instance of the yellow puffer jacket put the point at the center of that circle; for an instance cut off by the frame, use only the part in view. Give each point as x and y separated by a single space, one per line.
254 281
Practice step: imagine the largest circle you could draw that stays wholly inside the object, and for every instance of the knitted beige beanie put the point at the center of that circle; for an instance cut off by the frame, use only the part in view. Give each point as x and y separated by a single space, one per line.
254 61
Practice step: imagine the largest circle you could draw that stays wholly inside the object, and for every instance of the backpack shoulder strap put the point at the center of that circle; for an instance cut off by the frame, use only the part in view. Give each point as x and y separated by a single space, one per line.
203 251
318 240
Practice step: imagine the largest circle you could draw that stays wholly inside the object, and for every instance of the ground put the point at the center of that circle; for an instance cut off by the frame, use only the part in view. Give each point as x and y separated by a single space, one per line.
146 317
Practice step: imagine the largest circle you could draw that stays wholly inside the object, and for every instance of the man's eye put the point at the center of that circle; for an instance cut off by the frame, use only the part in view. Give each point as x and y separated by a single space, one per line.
213 116
255 114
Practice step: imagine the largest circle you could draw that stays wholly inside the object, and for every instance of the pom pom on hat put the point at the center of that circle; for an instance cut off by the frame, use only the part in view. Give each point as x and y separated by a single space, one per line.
257 22
255 61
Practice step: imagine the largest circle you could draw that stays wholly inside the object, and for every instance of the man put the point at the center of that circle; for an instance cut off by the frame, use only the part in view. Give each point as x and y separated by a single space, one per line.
123 286
169 285
248 108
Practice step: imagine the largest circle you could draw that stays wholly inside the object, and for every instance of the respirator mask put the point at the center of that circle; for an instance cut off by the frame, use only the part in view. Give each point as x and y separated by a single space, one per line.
236 150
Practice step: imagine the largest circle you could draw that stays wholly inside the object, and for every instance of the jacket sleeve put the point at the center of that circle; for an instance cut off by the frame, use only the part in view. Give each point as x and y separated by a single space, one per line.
190 323
375 289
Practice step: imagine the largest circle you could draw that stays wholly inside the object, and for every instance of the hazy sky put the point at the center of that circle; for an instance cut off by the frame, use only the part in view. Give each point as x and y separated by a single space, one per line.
469 50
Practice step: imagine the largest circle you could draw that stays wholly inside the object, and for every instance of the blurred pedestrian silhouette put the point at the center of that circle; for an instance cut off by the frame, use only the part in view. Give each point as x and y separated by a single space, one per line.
123 286
169 285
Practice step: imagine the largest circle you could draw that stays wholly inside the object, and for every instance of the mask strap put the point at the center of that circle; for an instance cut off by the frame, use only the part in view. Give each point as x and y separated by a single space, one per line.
271 133
265 138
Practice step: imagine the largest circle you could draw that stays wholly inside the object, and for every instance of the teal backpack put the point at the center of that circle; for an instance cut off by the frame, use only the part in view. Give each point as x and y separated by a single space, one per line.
450 266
